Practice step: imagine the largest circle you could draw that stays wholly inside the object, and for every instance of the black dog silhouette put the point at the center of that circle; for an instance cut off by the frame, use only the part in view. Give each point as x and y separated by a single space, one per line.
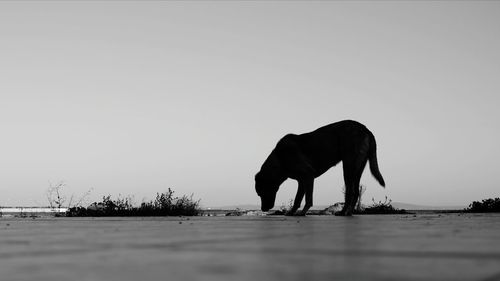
307 156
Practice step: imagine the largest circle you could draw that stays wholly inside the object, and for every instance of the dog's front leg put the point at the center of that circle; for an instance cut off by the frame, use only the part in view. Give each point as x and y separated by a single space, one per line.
298 200
307 185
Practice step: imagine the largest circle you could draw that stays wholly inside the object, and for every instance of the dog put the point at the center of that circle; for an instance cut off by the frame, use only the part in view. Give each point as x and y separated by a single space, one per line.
307 156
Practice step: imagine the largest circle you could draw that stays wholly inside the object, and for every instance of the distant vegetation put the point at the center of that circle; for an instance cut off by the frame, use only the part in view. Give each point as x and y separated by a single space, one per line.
165 204
486 206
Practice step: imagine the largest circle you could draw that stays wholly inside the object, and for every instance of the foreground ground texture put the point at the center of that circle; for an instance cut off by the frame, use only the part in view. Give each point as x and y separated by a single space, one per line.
390 247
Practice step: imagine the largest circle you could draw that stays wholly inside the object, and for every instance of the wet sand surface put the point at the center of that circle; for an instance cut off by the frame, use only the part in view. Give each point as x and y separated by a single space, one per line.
390 247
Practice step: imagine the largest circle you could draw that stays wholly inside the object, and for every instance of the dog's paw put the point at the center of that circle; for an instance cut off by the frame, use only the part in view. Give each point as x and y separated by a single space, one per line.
343 213
340 213
290 213
301 214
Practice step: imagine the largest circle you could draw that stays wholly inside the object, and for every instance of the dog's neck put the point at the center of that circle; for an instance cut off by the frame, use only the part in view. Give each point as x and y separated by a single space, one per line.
272 169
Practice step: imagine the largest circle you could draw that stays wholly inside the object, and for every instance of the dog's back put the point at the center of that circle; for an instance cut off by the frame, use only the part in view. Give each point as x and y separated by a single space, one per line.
325 147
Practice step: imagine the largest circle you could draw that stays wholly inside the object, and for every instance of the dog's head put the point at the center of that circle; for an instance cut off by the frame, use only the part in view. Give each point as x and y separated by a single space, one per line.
266 187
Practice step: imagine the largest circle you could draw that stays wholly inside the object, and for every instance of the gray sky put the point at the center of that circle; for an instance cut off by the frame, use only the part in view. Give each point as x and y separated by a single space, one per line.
134 97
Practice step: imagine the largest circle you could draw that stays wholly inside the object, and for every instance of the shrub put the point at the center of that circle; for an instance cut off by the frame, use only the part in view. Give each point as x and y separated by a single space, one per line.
486 206
284 209
165 204
380 208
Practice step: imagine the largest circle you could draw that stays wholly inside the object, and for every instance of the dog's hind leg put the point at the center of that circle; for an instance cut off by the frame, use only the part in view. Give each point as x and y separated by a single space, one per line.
353 196
353 169
352 177
350 192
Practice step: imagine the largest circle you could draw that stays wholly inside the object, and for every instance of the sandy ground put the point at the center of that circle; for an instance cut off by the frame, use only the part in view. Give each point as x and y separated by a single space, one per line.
395 247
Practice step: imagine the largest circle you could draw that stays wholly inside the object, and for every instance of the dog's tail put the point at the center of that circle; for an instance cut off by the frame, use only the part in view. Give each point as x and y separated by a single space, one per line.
372 157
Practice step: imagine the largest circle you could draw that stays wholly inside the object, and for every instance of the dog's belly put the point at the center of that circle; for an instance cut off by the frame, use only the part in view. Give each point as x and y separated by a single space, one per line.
324 167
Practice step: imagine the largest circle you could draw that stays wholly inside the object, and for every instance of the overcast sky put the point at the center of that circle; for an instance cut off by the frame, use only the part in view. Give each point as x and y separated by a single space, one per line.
135 97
